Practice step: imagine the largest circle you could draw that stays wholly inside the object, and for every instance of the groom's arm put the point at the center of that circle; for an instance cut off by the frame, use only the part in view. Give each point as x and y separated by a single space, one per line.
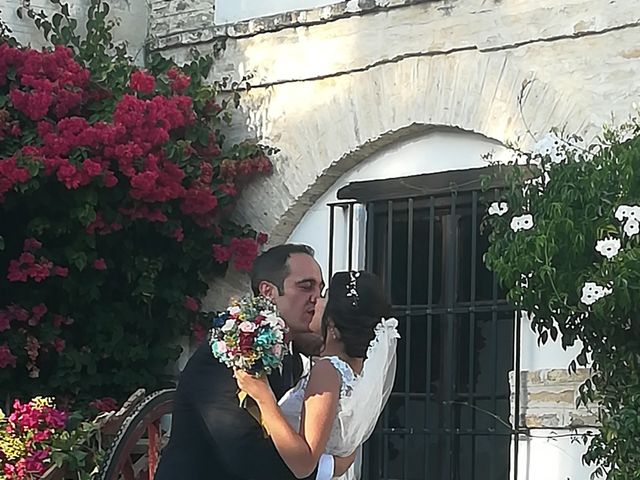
246 452
249 455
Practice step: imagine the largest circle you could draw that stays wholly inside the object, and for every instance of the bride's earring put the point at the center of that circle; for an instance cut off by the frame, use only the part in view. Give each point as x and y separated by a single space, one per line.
335 334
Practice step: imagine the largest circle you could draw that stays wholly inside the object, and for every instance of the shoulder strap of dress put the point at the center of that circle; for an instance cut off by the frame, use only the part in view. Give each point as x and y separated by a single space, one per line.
343 368
337 362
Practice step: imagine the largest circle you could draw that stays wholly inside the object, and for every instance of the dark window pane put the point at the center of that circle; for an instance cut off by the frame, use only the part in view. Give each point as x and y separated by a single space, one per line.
421 236
449 415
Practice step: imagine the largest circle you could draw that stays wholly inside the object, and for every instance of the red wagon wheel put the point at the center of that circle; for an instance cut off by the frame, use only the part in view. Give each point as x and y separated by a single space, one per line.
135 450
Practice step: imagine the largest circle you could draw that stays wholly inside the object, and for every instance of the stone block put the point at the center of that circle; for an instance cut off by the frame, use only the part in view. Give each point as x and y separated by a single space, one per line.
544 420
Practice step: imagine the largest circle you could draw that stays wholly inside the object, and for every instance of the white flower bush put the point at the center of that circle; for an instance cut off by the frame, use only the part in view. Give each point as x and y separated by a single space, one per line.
584 199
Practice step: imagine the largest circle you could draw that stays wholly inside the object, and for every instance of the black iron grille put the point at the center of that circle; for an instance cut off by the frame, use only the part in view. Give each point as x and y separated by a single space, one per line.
449 415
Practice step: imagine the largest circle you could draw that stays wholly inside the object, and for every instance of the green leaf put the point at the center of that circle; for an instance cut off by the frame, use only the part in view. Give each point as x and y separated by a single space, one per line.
38 226
56 19
78 259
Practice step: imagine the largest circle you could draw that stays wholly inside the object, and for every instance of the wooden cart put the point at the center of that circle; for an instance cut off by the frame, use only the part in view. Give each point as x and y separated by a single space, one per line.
136 435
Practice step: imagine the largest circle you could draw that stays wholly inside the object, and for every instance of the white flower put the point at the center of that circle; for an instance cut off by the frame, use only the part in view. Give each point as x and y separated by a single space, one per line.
277 350
550 145
498 208
634 213
624 212
626 132
609 247
234 310
540 181
247 326
390 322
219 346
273 320
632 227
588 298
630 214
524 279
523 222
592 292
229 325
589 287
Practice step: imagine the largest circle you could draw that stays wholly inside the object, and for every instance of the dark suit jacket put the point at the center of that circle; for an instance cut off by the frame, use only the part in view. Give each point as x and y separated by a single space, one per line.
212 438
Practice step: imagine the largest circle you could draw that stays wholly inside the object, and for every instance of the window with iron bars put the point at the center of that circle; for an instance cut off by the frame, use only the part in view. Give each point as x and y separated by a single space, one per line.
449 416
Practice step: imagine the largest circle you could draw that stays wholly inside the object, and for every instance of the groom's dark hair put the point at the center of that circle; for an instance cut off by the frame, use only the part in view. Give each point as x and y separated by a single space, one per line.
271 266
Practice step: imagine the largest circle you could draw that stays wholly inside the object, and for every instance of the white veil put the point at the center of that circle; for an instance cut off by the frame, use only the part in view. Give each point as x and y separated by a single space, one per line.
359 411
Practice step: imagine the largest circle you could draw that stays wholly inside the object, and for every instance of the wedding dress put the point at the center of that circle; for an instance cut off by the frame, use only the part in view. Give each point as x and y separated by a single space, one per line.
362 397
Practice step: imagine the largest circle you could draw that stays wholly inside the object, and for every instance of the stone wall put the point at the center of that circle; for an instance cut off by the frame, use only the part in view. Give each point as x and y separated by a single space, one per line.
548 399
331 82
179 22
335 84
132 15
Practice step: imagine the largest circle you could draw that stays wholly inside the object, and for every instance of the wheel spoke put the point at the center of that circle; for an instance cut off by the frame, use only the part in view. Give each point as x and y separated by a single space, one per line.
153 431
136 449
127 470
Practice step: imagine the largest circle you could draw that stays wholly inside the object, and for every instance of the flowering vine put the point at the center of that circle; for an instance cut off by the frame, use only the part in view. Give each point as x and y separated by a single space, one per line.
116 191
581 260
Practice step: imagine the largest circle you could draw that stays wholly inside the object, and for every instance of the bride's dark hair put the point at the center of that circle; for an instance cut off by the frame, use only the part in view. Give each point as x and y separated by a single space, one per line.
355 304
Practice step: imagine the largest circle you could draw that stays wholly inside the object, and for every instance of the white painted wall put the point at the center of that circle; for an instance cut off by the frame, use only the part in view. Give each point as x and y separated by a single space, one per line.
436 152
554 458
229 11
551 356
546 456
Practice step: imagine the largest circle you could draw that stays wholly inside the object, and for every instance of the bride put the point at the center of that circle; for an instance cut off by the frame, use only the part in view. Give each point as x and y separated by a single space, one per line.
336 407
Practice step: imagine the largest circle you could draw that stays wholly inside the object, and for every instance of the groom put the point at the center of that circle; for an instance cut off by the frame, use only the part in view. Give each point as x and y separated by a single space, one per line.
212 438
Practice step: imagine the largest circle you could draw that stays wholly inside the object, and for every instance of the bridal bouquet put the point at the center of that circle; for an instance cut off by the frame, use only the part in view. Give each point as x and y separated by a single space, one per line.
249 335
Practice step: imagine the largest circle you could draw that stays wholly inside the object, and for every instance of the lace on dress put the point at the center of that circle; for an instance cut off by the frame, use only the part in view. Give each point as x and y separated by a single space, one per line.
347 375
292 402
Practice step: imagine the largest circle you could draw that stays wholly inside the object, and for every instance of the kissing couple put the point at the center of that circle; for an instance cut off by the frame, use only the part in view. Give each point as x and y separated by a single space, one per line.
317 417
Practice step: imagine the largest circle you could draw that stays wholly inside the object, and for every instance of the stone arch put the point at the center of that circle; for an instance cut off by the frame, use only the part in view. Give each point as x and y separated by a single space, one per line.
326 126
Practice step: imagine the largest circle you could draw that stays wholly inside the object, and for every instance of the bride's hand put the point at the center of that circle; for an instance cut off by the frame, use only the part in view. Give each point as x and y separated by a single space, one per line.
257 388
